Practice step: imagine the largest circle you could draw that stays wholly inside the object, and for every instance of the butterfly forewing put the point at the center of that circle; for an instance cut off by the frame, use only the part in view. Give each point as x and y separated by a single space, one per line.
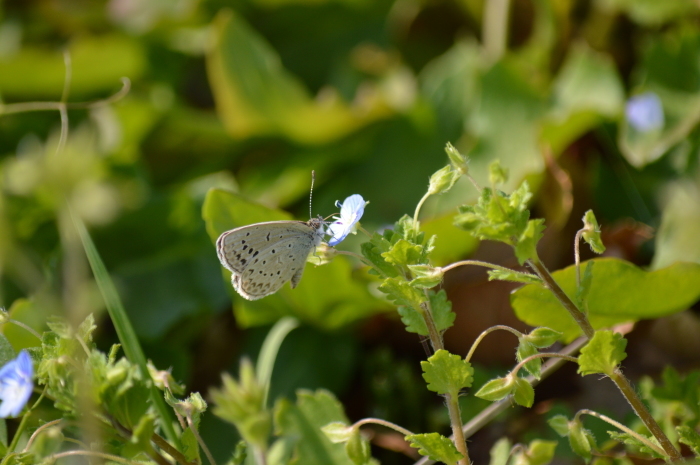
264 256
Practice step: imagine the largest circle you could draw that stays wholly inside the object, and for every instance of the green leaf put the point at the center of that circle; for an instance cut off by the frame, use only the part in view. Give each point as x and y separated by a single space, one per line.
413 320
496 389
401 293
632 441
303 422
436 447
447 373
443 315
255 95
523 392
451 244
652 13
580 439
426 276
585 287
619 292
591 232
676 239
683 389
500 452
357 448
526 248
542 337
539 452
560 424
602 353
689 437
122 325
526 349
373 250
513 276
403 253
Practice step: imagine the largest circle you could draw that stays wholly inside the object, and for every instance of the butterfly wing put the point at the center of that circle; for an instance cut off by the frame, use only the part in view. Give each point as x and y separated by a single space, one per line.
264 256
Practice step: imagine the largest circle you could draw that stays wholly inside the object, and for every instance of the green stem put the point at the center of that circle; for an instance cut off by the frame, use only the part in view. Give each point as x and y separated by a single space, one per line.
23 422
617 377
643 413
90 453
379 421
452 401
486 332
622 427
418 207
26 328
485 265
577 256
517 368
549 282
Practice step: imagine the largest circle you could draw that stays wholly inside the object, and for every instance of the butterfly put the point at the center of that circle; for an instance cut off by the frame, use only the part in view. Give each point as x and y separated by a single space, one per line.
264 256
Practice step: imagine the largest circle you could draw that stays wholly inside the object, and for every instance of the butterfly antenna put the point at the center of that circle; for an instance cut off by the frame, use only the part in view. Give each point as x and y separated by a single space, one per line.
311 193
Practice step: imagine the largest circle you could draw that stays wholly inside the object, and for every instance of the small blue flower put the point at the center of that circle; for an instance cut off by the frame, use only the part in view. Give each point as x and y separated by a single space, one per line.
16 384
351 211
644 112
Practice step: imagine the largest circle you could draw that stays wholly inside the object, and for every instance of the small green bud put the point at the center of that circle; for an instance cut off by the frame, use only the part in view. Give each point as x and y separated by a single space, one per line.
459 161
443 180
497 389
543 337
426 277
591 233
357 448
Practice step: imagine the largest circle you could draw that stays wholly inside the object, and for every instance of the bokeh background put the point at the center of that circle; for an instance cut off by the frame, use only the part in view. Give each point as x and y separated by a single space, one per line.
233 104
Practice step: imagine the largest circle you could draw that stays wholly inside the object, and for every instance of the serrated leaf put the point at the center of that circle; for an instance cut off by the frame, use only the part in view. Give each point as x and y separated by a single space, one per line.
496 389
619 292
689 437
373 250
442 180
413 320
513 276
629 440
436 446
523 393
443 315
401 293
526 248
403 253
526 349
560 424
542 337
447 373
602 353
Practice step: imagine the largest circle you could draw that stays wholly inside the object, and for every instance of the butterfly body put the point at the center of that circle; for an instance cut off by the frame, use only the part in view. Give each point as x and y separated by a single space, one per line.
264 256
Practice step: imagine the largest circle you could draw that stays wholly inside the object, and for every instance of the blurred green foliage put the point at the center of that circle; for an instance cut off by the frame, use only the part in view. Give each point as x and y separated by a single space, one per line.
233 103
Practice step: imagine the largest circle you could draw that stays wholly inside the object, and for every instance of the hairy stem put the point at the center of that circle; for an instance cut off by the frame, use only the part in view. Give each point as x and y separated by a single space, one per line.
379 421
483 335
622 427
618 378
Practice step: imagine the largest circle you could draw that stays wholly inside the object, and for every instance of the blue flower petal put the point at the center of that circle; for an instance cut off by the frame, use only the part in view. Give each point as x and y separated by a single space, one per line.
644 112
16 385
351 211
